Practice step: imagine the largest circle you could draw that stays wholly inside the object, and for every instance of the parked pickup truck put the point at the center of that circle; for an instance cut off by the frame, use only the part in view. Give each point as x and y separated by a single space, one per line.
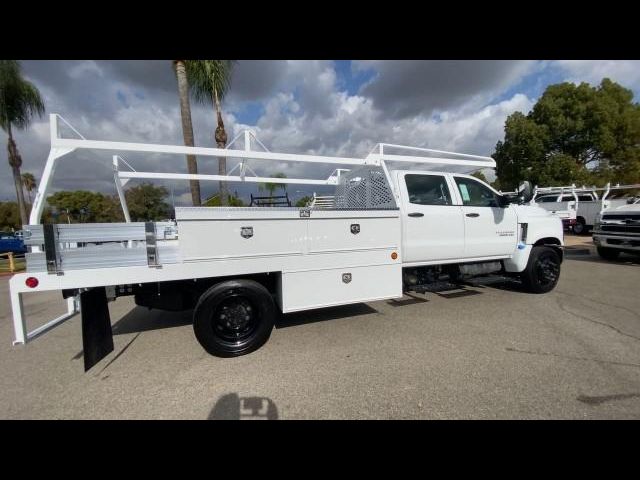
10 243
617 230
586 205
565 207
388 231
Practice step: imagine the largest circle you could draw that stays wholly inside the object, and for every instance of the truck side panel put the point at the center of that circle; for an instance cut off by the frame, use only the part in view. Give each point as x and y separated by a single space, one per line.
339 286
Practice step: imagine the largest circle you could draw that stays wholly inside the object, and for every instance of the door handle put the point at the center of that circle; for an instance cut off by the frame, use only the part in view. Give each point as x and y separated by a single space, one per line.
416 214
473 215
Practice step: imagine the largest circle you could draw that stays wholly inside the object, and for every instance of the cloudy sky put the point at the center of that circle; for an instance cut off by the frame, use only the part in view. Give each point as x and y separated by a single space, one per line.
325 107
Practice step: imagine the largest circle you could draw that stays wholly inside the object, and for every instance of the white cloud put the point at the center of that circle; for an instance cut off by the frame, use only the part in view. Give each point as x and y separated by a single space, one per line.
82 69
624 72
304 110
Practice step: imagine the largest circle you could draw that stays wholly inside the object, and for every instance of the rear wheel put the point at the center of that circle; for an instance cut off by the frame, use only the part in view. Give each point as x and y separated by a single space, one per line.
543 270
234 318
580 228
608 253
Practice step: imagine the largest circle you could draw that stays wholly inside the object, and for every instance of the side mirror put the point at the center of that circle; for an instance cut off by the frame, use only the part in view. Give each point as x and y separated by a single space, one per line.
525 192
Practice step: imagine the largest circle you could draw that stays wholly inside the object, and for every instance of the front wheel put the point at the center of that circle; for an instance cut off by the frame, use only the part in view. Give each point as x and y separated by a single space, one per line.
608 253
234 318
543 270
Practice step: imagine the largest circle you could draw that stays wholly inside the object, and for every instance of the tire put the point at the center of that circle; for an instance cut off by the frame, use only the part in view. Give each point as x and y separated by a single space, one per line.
543 270
234 318
608 253
580 228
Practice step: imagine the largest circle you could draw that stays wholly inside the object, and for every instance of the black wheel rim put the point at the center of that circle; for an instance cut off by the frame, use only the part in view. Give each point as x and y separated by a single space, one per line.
547 269
235 318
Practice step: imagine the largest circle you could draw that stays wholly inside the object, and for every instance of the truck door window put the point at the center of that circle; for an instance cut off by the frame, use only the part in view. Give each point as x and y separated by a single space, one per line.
474 194
427 189
547 199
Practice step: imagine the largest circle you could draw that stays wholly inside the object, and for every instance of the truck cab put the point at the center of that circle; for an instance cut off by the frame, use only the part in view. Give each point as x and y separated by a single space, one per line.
457 220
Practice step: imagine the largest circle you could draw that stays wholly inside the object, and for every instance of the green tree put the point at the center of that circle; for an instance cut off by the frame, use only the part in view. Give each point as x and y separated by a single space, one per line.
480 176
187 126
304 201
146 202
272 186
81 206
9 216
19 102
524 145
232 201
574 133
29 183
210 81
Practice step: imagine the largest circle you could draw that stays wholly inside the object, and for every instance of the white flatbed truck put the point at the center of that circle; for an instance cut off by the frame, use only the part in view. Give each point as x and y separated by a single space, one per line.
388 231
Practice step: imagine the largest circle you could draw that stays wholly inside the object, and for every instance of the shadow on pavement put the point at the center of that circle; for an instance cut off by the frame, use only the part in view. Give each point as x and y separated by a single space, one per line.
412 300
323 314
141 319
623 259
233 407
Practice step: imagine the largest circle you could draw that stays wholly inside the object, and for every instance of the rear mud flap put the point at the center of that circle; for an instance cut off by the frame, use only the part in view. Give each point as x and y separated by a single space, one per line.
97 336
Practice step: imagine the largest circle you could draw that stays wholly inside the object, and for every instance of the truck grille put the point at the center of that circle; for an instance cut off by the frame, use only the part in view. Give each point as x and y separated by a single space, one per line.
630 216
626 224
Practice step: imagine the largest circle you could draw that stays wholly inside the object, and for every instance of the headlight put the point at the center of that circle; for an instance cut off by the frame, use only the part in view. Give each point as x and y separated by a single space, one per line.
597 221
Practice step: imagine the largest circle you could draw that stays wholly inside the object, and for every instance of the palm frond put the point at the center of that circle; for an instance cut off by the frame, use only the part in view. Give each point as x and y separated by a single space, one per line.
207 76
20 100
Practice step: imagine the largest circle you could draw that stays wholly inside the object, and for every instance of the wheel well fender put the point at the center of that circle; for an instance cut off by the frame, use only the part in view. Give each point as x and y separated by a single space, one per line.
552 242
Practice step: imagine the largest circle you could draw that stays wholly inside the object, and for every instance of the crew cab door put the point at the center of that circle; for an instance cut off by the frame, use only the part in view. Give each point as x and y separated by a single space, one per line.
490 230
433 226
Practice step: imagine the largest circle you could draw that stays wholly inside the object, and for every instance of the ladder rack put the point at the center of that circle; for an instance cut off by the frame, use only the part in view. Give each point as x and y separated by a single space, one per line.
572 189
381 154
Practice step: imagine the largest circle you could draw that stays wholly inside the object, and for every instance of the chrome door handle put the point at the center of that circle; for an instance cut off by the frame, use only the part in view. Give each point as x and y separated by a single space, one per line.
473 215
416 214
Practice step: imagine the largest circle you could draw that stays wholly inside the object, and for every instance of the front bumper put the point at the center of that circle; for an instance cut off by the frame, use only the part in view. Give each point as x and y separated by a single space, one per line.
622 242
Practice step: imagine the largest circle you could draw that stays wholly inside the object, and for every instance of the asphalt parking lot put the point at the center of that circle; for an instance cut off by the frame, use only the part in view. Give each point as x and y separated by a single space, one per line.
487 352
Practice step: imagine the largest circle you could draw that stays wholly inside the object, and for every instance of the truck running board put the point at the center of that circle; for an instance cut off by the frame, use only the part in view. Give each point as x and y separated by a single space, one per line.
434 287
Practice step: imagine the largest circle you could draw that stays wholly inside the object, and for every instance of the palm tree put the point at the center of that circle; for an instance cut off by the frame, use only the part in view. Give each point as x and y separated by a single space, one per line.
210 80
187 127
19 102
29 183
272 187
